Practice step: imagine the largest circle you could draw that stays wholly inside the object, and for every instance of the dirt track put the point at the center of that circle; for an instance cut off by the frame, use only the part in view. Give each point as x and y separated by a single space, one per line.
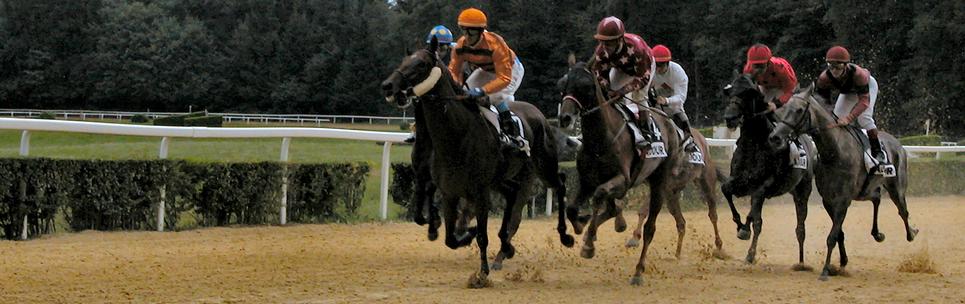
395 263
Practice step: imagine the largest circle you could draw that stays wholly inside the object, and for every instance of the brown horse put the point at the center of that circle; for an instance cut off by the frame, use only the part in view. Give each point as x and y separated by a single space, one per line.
468 162
609 164
840 171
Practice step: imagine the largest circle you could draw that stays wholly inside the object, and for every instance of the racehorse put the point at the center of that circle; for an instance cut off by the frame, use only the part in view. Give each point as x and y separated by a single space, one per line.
840 171
609 164
468 162
760 171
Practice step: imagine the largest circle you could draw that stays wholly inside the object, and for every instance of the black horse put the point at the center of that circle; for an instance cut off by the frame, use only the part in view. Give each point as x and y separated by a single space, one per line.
468 162
760 171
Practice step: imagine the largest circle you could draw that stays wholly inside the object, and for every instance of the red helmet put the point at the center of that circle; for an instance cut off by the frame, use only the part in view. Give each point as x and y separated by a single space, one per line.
838 53
609 28
661 53
758 53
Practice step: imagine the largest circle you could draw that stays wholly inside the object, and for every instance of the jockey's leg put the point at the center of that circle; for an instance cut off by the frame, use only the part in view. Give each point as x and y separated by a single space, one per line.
680 118
643 124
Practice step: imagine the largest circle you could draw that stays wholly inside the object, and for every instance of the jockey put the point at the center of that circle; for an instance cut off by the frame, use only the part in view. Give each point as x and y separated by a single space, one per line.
498 72
444 38
670 88
857 93
622 64
774 75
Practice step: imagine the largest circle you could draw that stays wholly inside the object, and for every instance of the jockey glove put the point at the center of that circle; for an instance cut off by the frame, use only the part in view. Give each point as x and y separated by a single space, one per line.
477 93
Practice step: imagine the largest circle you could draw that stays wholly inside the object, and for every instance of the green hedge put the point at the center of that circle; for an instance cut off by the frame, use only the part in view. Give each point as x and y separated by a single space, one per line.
921 140
205 121
123 195
926 177
177 120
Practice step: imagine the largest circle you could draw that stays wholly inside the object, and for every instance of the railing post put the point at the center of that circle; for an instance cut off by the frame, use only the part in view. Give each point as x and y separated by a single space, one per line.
384 184
549 202
162 154
283 212
25 143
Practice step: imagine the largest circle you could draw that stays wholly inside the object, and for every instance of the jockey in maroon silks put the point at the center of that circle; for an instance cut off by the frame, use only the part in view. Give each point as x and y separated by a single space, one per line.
623 64
857 90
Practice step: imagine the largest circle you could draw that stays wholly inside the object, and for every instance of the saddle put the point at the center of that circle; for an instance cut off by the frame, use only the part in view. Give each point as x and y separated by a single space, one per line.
887 169
503 137
657 148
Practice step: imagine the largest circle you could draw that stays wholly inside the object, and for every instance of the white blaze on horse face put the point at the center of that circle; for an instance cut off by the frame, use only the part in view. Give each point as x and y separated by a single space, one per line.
423 87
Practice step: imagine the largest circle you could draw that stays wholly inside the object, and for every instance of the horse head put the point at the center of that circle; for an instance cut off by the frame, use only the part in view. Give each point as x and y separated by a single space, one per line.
744 100
418 74
577 91
795 117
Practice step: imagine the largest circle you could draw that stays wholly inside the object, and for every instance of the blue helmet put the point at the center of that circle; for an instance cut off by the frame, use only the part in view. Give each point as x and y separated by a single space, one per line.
442 33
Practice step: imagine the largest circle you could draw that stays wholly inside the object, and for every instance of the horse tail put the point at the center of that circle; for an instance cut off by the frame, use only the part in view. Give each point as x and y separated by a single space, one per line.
721 177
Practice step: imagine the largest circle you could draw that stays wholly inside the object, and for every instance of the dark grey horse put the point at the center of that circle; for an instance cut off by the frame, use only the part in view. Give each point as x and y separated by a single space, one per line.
840 173
468 162
759 171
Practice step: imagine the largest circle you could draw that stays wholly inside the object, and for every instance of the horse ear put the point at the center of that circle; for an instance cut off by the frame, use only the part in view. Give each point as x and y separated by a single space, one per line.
571 59
433 44
407 51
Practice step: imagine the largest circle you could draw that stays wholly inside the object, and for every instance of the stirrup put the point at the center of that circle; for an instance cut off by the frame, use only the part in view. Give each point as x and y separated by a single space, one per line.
689 145
515 144
643 144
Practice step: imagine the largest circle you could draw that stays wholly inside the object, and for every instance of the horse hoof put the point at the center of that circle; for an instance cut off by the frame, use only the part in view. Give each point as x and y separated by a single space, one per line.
567 240
587 252
620 225
911 234
743 234
633 243
749 259
823 277
433 235
496 266
802 267
636 281
509 252
879 237
479 280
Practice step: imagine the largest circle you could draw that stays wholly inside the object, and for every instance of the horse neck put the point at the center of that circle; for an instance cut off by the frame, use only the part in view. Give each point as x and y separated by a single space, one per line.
445 119
600 127
832 142
757 128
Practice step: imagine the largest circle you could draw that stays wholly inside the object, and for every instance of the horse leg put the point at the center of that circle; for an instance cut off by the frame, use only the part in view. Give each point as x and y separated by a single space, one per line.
566 239
754 217
876 201
896 190
619 223
648 230
588 250
450 209
838 211
481 279
801 194
634 239
673 205
706 185
512 215
573 212
743 232
434 220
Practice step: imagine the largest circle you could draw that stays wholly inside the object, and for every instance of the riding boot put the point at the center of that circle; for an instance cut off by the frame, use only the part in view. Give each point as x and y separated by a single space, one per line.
511 139
680 118
643 123
876 146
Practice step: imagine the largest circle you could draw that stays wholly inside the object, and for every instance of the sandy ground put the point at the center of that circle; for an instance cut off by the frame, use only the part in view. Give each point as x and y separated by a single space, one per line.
393 262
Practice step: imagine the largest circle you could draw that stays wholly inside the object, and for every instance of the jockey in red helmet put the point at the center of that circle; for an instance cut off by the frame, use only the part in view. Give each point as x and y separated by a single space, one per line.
857 90
670 88
623 63
774 75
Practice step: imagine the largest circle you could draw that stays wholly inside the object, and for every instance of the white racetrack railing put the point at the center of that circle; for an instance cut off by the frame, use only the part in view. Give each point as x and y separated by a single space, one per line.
165 133
227 117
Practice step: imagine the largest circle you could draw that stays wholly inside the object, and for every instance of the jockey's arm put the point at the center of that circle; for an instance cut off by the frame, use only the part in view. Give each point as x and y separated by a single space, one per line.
680 81
455 63
788 82
503 65
861 89
823 87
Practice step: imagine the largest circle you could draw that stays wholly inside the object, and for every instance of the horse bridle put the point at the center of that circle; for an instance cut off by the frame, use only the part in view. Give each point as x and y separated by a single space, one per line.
409 92
583 111
804 121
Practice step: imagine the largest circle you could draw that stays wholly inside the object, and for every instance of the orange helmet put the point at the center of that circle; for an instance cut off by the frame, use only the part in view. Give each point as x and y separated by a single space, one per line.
661 53
838 53
472 17
609 28
758 53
